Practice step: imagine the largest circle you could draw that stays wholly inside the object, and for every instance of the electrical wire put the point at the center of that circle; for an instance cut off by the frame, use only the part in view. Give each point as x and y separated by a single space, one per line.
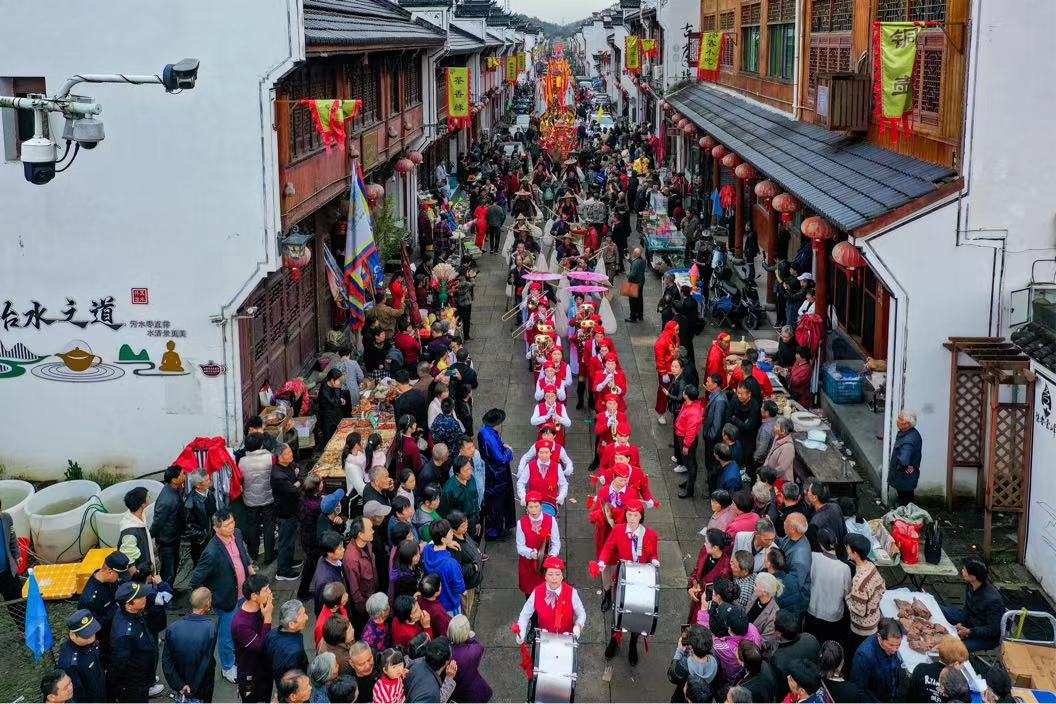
76 151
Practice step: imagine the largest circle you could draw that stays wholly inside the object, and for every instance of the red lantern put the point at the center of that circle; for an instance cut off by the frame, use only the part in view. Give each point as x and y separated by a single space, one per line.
765 190
415 157
296 254
664 105
375 192
681 124
710 142
689 128
815 227
405 166
786 204
731 160
703 142
846 254
719 151
744 171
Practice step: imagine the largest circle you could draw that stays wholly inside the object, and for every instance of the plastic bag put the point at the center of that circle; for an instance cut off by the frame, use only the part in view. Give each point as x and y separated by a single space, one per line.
907 537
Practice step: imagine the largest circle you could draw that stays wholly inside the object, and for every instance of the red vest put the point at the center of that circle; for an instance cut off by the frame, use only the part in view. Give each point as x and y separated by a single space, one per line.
547 486
559 619
528 577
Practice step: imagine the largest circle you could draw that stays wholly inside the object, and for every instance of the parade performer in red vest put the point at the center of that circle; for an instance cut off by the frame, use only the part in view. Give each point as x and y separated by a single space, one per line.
536 531
554 603
543 476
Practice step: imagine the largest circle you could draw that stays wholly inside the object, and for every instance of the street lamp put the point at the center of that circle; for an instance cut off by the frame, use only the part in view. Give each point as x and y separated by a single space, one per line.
39 154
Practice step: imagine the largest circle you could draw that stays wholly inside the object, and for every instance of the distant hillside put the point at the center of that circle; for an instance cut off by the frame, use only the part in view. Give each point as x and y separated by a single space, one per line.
550 29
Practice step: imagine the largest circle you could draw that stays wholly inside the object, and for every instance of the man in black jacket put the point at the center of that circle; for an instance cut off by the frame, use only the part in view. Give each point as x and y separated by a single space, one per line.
217 571
170 518
187 659
80 658
285 487
285 645
201 505
424 681
636 275
133 647
978 624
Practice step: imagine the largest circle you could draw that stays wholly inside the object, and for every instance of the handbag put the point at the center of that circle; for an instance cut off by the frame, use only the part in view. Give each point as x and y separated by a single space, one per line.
932 543
629 289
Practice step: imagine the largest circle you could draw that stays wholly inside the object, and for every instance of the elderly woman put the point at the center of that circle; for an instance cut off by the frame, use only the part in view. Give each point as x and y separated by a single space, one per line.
782 455
321 672
905 458
376 633
762 610
467 651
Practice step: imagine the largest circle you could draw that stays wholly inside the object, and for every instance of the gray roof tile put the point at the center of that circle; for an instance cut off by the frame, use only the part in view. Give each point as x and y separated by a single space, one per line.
365 22
850 182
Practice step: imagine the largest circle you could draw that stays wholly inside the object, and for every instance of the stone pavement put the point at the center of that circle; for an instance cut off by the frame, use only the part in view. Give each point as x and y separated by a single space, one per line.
506 383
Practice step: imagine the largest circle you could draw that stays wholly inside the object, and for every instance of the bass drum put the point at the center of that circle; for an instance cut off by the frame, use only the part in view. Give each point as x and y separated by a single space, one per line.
555 661
636 603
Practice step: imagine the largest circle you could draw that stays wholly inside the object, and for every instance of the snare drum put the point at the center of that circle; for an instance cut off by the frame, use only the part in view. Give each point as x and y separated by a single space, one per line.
550 509
555 663
636 603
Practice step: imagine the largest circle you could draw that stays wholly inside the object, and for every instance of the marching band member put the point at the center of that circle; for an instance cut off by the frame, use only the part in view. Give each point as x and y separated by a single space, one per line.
638 479
609 504
542 475
548 377
548 431
606 426
564 372
610 379
555 604
607 455
631 542
535 531
587 352
550 409
538 352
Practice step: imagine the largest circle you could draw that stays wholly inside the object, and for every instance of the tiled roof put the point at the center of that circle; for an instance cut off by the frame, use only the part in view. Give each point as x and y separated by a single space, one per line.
459 41
364 23
848 181
1038 342
492 40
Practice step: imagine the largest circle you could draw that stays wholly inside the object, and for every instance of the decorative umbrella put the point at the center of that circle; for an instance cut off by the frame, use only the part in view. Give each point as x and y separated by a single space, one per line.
541 276
588 289
587 276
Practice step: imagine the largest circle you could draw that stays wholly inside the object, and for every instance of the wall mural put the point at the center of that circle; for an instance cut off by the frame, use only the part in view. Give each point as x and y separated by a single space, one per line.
76 361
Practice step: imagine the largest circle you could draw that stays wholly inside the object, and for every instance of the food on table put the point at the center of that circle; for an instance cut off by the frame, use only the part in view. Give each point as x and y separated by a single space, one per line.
922 633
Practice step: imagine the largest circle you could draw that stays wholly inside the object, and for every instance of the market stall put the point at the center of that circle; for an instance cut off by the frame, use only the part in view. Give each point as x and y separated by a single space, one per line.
662 240
373 415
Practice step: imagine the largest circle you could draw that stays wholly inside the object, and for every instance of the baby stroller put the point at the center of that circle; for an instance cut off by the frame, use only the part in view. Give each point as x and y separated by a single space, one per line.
734 308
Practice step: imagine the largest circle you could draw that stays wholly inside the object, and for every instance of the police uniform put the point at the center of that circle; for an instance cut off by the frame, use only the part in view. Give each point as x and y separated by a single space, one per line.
99 598
83 663
133 649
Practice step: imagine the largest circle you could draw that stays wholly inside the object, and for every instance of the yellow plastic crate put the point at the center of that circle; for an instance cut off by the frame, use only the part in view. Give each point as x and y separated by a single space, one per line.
91 562
56 581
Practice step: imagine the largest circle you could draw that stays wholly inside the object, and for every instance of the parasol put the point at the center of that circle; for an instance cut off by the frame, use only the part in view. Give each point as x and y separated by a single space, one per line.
588 289
587 276
541 276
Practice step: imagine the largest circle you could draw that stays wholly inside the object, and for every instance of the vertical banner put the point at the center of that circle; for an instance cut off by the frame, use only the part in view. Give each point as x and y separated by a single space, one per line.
522 60
894 65
457 98
511 69
632 57
649 48
710 54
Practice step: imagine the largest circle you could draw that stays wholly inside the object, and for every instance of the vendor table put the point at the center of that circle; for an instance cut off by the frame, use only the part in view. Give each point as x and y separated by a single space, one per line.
919 573
329 467
911 658
827 465
661 238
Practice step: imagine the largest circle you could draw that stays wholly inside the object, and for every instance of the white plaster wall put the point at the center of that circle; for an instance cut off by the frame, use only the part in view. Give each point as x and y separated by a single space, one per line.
939 290
180 198
594 39
673 16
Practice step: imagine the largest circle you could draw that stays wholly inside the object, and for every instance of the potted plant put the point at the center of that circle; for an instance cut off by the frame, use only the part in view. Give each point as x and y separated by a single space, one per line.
389 237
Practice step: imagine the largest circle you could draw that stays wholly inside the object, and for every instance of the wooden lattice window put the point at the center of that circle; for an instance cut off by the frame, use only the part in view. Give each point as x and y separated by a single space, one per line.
911 11
412 81
364 83
829 53
312 81
726 22
831 16
927 93
751 16
707 24
394 80
780 11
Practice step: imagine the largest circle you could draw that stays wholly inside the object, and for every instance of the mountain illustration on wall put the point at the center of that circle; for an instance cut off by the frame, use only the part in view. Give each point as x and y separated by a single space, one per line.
125 354
18 353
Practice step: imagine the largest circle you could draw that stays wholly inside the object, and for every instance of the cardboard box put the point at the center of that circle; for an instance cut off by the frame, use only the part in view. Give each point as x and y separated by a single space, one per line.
1030 666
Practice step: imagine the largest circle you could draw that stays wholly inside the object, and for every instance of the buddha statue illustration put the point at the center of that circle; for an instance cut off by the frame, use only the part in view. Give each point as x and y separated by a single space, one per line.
170 361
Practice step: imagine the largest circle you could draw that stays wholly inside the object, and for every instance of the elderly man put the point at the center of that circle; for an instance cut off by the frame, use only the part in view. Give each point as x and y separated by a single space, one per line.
201 505
782 454
285 645
877 666
797 551
187 659
380 487
756 543
360 570
904 468
636 275
294 686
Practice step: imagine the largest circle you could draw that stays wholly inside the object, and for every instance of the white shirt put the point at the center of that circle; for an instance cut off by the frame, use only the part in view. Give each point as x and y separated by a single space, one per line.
525 470
355 472
542 382
743 541
564 460
529 608
560 414
830 582
434 410
807 308
555 540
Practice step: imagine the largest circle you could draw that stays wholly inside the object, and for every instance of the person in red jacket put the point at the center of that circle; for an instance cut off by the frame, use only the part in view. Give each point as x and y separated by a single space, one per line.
533 531
607 454
638 480
610 379
554 604
739 375
716 363
687 430
665 350
480 216
606 426
630 542
608 506
406 341
713 562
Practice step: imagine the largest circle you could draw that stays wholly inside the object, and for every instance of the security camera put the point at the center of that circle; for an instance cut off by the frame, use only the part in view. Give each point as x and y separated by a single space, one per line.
86 131
180 76
38 160
252 311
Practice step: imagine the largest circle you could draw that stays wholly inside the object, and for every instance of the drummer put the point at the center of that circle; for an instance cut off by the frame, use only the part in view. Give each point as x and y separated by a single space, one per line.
542 475
533 530
548 431
551 410
609 504
631 542
555 604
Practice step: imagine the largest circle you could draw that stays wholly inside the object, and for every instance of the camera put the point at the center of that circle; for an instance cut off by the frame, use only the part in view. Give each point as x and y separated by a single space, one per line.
38 160
180 76
86 131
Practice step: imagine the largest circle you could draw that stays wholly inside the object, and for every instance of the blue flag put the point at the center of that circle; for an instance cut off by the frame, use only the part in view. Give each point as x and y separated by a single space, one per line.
38 630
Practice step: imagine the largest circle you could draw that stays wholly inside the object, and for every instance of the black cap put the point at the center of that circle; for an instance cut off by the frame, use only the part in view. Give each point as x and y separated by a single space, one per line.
117 561
130 591
83 623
